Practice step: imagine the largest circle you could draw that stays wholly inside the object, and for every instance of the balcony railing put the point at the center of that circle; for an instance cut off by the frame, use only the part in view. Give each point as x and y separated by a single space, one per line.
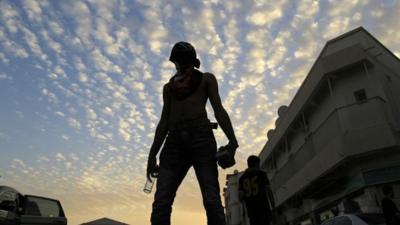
328 139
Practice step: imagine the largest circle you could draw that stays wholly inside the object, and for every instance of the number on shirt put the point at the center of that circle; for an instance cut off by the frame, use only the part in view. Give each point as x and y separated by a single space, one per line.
250 186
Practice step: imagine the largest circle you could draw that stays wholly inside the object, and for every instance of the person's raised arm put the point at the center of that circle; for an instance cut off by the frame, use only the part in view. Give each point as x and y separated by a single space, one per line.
220 113
161 133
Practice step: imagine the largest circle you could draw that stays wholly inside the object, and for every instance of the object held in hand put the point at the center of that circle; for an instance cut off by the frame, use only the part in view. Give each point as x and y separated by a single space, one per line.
225 157
149 183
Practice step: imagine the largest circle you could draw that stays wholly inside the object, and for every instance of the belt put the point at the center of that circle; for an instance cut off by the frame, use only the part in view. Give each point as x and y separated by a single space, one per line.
196 123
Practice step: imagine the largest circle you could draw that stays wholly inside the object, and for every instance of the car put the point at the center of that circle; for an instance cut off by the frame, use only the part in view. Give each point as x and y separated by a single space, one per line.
19 209
357 219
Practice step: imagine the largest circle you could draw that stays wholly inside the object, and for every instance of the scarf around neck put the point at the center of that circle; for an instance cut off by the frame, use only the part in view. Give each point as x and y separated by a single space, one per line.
184 86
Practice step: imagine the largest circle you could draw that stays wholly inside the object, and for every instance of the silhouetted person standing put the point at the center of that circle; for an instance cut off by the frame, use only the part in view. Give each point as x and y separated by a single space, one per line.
189 137
254 189
389 209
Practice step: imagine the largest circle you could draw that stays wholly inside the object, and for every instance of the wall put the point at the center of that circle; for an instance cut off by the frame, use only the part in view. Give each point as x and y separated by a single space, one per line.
339 126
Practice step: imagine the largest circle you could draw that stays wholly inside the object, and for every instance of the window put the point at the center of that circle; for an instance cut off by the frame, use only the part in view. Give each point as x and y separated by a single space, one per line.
360 95
306 124
8 200
270 164
287 144
298 125
327 222
342 220
35 206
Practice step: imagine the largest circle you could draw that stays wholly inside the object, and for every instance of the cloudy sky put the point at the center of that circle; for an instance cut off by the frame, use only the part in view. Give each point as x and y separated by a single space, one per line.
81 81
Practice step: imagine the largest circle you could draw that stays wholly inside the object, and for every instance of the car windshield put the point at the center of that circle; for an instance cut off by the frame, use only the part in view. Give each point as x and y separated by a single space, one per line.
372 218
8 199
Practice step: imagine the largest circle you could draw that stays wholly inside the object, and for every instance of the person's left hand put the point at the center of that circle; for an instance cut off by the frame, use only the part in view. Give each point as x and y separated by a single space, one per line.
151 166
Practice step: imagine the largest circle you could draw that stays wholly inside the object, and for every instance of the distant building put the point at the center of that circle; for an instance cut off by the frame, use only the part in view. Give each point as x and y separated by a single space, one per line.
104 221
234 210
338 141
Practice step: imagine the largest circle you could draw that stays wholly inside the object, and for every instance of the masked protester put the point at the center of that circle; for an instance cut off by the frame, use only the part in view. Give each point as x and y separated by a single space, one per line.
189 139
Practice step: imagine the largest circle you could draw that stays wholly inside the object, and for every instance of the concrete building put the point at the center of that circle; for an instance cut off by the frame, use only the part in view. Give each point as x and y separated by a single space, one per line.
338 141
234 209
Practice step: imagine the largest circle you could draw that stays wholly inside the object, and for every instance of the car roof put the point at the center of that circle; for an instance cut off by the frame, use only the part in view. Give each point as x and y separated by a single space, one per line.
7 188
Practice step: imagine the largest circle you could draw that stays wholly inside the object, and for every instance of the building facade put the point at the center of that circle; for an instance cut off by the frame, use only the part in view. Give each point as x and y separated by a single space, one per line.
234 209
338 141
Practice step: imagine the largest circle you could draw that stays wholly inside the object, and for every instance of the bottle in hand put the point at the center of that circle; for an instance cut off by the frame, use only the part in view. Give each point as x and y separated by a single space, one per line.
149 183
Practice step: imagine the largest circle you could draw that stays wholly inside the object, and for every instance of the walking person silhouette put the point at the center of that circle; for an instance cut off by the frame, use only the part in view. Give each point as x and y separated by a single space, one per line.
189 139
254 189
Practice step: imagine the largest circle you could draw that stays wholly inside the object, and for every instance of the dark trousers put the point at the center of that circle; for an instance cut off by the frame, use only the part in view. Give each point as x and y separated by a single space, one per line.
258 214
183 149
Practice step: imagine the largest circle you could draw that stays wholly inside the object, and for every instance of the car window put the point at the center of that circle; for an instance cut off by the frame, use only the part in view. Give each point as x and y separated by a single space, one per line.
327 222
36 206
373 218
8 200
342 220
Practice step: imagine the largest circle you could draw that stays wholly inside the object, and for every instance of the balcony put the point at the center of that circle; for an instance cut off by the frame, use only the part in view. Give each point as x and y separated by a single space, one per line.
349 130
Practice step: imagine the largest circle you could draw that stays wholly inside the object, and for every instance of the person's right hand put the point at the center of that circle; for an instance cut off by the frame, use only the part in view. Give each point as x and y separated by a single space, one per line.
226 156
151 165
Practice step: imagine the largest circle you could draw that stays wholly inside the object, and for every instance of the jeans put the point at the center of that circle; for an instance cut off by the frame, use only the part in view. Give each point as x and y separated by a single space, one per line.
258 215
183 149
